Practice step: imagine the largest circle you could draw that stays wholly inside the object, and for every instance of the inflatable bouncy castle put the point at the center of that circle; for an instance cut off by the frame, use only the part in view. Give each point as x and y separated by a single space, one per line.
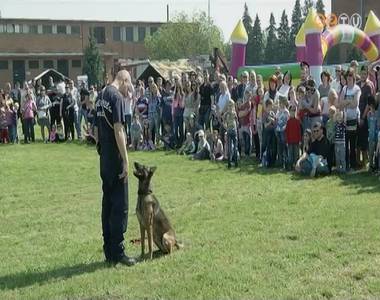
313 40
312 43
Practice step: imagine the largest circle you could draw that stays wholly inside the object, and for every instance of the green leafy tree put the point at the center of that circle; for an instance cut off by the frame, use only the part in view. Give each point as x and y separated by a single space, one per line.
355 54
247 21
93 63
284 41
305 8
320 6
271 50
257 39
295 27
184 37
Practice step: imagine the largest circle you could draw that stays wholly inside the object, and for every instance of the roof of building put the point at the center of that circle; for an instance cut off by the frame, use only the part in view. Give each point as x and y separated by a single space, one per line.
76 21
166 69
48 54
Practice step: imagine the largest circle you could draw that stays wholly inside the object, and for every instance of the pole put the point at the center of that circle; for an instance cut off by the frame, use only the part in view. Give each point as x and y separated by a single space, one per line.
208 10
167 13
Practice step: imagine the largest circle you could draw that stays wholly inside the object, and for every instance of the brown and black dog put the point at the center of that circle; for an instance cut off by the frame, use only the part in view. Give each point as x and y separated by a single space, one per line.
151 217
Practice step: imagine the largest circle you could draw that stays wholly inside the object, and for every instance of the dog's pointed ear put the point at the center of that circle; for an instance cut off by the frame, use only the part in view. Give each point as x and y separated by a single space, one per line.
152 170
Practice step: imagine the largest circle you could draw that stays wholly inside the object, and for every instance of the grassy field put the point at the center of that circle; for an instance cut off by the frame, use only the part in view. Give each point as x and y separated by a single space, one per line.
248 233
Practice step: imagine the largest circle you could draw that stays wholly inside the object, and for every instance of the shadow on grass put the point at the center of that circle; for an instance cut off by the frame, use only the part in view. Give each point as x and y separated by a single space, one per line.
25 279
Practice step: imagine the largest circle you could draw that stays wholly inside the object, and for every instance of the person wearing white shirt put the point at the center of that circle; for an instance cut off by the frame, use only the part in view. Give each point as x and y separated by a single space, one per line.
335 84
76 98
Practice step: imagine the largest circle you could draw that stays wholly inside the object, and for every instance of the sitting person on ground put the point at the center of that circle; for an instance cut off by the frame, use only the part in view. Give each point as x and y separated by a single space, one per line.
203 150
168 138
217 149
188 147
318 159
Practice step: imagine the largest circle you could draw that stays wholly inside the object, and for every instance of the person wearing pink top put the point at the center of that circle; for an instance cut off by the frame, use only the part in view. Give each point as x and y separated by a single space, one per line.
28 109
178 107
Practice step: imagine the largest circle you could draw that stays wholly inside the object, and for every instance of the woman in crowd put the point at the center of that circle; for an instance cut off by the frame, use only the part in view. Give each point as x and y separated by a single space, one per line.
178 107
367 90
349 103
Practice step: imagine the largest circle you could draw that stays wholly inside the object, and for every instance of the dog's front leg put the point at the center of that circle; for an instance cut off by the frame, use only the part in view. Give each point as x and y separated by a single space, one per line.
150 240
142 235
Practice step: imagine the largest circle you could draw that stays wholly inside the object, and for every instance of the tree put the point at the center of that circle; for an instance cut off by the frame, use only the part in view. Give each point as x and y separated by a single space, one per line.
320 6
184 37
247 21
284 41
355 54
305 8
93 64
257 39
295 27
272 41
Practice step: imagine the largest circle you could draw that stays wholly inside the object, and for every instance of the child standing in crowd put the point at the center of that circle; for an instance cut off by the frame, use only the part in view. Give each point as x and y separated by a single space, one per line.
258 117
340 142
28 110
269 138
217 148
293 137
154 114
43 106
282 119
136 133
230 123
372 132
4 138
330 125
244 113
12 122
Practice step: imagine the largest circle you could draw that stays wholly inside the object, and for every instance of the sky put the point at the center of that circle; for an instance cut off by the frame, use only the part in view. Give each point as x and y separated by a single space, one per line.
225 13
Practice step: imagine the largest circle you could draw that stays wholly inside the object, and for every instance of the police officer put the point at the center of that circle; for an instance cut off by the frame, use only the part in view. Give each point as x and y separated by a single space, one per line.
110 137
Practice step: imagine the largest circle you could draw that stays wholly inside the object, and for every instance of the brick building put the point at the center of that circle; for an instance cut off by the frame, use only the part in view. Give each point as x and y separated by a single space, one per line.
349 12
29 46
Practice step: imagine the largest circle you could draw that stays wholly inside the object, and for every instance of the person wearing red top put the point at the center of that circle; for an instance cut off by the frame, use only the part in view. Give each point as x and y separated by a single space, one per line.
245 131
293 137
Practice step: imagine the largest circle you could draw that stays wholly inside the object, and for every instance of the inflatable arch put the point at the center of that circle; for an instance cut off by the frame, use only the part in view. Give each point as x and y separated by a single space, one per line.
313 43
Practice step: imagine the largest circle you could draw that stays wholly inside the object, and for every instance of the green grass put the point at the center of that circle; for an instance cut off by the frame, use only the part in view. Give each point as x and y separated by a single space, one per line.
248 233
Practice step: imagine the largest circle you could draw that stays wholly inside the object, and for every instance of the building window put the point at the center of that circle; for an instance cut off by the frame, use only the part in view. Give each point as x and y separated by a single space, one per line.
34 64
48 64
142 32
61 29
100 34
3 28
129 34
47 29
76 63
33 29
75 30
25 28
10 28
116 32
153 30
3 65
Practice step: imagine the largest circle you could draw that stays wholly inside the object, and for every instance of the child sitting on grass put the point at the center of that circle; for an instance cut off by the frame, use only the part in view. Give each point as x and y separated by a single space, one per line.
168 139
203 150
217 148
188 146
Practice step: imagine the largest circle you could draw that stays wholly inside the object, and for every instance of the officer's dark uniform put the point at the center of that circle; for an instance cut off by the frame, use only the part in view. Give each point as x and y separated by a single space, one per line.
109 110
